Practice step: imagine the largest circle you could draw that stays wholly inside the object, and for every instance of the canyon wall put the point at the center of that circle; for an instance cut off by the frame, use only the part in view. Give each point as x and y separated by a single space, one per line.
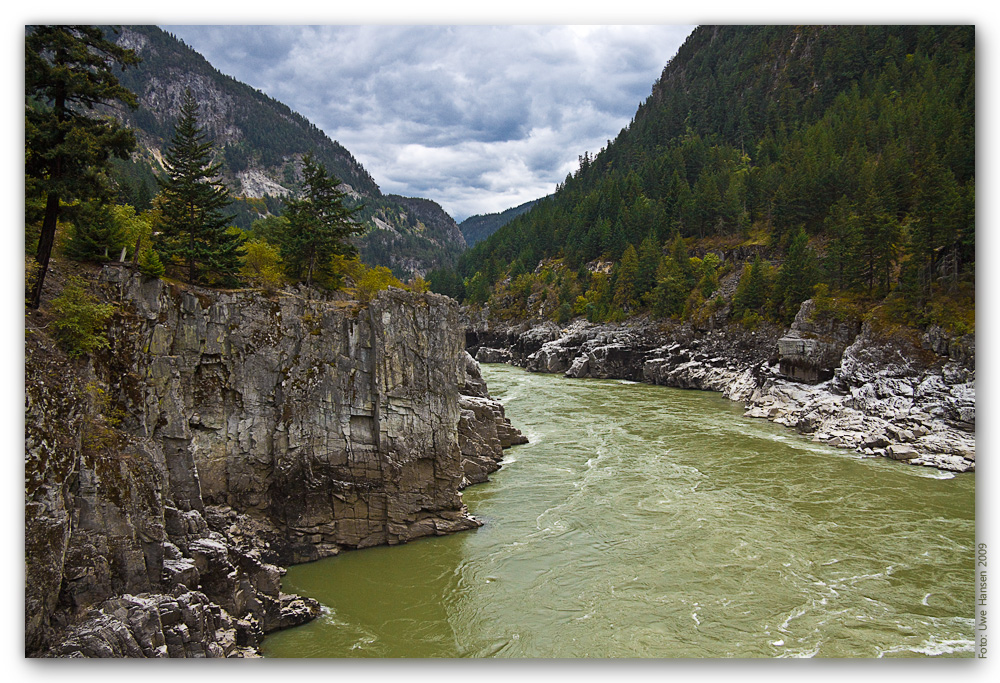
224 434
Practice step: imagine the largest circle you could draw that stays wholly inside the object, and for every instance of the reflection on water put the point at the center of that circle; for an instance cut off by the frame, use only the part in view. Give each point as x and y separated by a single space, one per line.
645 521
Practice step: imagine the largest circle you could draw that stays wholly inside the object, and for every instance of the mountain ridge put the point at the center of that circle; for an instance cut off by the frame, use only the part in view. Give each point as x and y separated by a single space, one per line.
260 143
480 226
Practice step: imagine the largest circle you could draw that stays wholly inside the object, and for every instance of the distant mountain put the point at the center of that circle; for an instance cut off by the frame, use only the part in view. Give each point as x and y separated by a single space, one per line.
260 143
479 227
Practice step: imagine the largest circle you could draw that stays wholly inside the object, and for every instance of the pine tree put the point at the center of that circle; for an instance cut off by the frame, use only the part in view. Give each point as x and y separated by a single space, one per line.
194 230
878 240
69 71
319 224
935 227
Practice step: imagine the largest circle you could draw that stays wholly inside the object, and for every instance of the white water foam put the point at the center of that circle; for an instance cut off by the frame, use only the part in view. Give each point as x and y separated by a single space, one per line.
934 648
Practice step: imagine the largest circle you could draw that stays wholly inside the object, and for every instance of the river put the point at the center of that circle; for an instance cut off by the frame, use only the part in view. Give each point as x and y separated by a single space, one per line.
645 521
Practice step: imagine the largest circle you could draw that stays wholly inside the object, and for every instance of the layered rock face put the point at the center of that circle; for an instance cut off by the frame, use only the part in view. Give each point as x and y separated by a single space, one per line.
334 421
811 350
224 434
894 394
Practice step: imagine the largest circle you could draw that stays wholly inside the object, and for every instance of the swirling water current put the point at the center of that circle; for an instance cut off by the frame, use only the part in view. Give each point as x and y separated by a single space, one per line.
645 521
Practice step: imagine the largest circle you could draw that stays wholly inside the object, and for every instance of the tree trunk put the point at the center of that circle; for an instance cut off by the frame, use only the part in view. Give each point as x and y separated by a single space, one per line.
45 241
47 237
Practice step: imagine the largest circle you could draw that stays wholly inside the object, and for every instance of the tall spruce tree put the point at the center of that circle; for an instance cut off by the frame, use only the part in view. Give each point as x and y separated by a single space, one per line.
69 70
319 224
194 230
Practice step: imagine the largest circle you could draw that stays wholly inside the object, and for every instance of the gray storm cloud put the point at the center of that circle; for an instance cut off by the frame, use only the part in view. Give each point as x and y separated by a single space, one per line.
477 118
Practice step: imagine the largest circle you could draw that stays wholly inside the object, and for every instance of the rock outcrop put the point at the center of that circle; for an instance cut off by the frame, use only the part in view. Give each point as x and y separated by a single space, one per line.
881 393
224 434
892 396
483 429
811 350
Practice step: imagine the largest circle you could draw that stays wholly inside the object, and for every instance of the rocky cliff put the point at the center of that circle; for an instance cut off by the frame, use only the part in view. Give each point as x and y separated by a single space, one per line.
884 392
224 434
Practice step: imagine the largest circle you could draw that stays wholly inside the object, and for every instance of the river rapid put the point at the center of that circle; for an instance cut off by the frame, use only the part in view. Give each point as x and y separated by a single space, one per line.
646 521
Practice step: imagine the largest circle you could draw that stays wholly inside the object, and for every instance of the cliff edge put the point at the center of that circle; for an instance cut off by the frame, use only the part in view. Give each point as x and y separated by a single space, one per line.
224 434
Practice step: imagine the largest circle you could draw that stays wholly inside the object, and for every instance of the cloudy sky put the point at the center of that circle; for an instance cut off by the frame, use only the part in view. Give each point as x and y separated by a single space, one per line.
477 118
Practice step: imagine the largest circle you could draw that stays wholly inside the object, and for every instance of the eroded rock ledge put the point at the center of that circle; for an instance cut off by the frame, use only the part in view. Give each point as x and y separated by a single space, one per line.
225 434
891 393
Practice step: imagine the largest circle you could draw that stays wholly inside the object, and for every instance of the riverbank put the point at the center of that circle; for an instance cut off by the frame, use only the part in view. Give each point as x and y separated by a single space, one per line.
881 391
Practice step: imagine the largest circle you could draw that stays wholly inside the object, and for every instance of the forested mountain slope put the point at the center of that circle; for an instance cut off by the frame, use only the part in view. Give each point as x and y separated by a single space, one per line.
261 143
787 157
479 227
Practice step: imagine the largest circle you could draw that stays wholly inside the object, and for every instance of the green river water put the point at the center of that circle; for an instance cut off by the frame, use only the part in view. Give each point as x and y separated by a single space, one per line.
645 521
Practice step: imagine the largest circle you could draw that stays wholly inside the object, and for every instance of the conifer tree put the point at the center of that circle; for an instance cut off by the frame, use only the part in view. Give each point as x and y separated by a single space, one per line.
69 70
194 229
841 225
649 260
679 253
878 240
796 278
752 290
624 297
935 226
668 297
319 224
96 234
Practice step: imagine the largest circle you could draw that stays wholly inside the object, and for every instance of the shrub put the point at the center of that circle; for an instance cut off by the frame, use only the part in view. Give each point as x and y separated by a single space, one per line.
80 319
374 280
261 265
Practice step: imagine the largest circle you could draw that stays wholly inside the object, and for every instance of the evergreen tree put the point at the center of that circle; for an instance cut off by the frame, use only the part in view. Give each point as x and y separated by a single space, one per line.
477 289
613 240
841 226
796 278
671 291
319 224
446 281
935 226
709 281
194 230
649 261
96 234
625 295
68 72
270 229
878 242
752 291
679 254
